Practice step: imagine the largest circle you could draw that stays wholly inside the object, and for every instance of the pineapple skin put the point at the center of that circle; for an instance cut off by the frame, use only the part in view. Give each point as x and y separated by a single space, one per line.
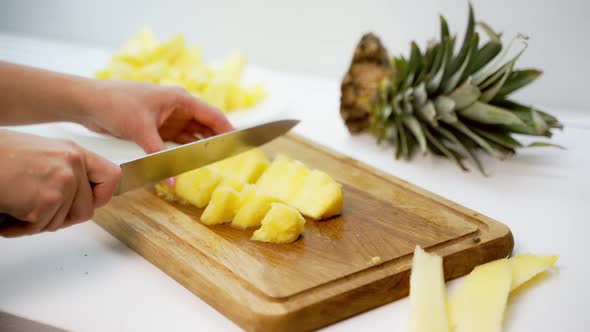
282 224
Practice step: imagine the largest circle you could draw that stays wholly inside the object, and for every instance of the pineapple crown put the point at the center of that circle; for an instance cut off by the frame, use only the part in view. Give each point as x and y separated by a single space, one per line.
454 103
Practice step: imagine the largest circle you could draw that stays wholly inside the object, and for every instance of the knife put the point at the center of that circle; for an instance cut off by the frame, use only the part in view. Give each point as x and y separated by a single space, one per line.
168 163
177 160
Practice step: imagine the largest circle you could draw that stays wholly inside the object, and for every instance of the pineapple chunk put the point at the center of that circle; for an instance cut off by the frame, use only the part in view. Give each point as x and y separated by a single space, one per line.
252 164
165 191
525 266
234 183
427 294
294 180
282 224
283 178
480 302
197 186
222 207
255 204
136 49
320 196
246 167
277 169
168 51
144 58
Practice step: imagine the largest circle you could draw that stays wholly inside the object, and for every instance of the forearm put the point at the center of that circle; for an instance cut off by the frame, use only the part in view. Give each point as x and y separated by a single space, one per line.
30 95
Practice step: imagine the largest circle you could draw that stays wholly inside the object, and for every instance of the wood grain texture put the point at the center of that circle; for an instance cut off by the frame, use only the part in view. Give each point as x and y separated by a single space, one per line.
325 276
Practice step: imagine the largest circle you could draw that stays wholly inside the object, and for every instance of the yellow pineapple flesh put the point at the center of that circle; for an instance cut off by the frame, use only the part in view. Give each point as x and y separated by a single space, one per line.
234 183
197 186
277 169
222 207
284 178
254 163
320 197
282 224
246 167
255 204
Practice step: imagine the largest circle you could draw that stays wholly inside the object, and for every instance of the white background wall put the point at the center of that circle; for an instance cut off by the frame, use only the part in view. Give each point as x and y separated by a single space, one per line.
318 36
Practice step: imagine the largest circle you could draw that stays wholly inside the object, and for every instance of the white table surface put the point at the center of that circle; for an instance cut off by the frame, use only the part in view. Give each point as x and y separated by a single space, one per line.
83 279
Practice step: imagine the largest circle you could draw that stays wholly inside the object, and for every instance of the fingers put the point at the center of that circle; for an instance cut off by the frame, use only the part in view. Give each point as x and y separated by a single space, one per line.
184 138
150 140
204 113
105 176
58 219
196 128
82 208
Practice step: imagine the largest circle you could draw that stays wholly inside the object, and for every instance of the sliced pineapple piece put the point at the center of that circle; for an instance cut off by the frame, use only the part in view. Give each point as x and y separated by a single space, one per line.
234 183
252 164
197 186
294 180
222 207
168 51
165 191
277 169
427 294
525 266
282 224
480 303
283 178
254 206
136 49
246 167
320 196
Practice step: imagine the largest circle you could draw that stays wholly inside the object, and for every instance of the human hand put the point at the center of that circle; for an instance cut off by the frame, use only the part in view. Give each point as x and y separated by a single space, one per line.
149 114
47 183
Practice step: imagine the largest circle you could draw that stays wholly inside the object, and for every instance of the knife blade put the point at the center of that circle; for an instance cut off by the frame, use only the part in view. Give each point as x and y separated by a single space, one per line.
168 163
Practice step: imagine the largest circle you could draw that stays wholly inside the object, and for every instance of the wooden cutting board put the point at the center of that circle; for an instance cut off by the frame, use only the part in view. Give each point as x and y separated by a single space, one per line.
328 274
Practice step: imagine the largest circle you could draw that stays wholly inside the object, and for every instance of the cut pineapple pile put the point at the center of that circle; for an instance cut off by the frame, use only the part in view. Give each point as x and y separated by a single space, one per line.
144 58
479 304
249 191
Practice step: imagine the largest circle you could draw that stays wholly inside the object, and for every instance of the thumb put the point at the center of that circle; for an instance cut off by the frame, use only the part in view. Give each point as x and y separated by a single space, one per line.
150 141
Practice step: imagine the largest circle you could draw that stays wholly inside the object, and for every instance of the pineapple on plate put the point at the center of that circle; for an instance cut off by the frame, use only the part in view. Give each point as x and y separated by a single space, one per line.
197 186
222 207
320 197
438 100
254 206
144 58
282 224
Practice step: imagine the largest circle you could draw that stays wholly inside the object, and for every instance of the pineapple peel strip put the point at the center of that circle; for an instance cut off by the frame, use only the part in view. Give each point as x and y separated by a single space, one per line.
479 304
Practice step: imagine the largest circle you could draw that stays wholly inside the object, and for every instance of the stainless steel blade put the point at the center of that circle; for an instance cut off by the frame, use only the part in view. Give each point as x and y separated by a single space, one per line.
168 163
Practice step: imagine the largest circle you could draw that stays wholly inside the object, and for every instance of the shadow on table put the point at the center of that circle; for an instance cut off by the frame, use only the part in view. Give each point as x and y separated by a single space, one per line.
13 323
